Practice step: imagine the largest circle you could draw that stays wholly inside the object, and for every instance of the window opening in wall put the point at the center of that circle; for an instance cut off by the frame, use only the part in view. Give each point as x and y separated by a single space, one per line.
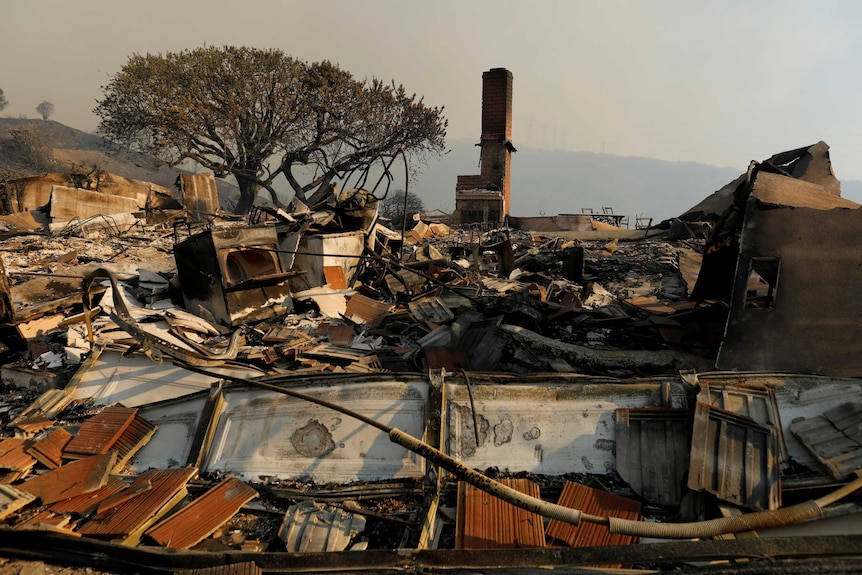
762 286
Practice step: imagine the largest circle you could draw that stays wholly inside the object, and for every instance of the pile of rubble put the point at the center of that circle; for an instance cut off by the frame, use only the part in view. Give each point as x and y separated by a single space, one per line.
308 379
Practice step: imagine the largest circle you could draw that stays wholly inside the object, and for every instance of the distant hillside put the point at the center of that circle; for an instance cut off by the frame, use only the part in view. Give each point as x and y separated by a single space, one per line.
549 182
554 182
74 148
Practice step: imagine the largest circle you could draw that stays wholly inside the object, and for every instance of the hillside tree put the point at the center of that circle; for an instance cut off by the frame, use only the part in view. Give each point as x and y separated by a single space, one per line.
3 101
393 208
45 110
256 114
32 148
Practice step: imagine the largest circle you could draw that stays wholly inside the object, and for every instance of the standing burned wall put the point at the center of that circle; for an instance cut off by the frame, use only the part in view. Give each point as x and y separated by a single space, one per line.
795 305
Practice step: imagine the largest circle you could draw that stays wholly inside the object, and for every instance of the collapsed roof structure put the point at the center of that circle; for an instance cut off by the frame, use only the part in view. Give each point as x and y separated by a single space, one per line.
309 390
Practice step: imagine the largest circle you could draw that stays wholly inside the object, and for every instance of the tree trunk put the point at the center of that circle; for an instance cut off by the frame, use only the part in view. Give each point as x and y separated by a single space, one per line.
248 189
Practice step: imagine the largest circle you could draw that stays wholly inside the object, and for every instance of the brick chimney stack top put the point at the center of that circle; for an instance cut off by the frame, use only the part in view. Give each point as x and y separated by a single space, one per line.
497 104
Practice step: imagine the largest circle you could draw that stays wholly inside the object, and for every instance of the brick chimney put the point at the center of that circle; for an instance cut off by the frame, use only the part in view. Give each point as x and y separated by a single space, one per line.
485 198
496 143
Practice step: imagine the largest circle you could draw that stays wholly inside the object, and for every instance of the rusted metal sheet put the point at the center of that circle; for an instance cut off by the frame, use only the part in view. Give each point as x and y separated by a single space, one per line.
49 449
339 334
787 258
86 503
261 433
201 517
735 459
244 568
451 359
130 519
363 309
310 527
99 433
593 502
835 438
487 522
75 478
45 520
14 456
200 194
334 276
653 447
136 435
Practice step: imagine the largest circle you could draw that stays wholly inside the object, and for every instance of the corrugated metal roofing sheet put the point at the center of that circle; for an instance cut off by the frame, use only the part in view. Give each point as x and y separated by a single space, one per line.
72 479
244 568
835 438
653 447
483 343
312 527
594 502
99 433
132 517
734 458
44 520
49 450
86 503
14 456
431 309
366 309
487 522
757 403
135 436
201 517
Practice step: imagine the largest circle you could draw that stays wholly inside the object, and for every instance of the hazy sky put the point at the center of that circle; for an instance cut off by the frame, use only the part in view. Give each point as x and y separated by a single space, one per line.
720 82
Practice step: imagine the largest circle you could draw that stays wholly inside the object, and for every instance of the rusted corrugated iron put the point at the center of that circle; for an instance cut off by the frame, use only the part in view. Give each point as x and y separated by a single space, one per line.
72 479
86 503
45 520
735 458
652 447
244 568
594 502
200 518
49 450
365 309
130 519
136 435
99 433
835 438
14 456
487 522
